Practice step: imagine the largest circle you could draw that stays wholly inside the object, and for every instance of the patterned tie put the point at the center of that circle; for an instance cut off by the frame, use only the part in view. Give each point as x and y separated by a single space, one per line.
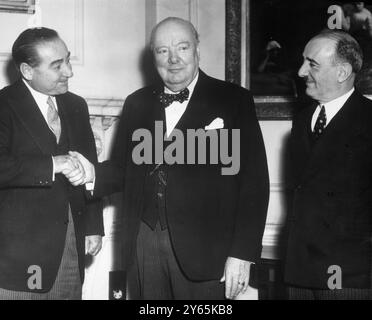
53 119
320 124
166 99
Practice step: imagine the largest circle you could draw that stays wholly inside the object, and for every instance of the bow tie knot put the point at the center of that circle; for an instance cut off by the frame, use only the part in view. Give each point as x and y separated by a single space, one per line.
167 99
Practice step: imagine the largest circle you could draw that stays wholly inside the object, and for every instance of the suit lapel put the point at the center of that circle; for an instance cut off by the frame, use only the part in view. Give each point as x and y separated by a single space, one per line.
31 117
333 138
68 116
199 112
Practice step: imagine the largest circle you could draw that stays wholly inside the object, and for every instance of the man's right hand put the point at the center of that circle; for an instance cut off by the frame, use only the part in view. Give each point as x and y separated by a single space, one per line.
89 170
70 167
64 163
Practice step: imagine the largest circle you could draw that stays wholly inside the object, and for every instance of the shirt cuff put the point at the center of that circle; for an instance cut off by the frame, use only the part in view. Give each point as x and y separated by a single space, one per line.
54 174
89 186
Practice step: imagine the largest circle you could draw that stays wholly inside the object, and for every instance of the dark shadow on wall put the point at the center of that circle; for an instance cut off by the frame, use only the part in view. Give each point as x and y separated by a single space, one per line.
271 274
11 71
147 68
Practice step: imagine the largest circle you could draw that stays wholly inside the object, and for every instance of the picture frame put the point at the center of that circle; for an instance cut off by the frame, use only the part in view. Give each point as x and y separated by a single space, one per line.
18 6
253 27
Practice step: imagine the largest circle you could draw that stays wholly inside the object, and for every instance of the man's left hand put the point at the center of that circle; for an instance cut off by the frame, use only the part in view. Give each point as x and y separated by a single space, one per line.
236 276
93 244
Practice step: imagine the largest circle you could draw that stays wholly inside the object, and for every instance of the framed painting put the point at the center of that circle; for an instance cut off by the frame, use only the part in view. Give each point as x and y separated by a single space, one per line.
265 40
19 6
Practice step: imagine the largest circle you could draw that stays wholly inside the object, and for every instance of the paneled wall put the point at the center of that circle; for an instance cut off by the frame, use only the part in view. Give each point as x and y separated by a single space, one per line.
107 40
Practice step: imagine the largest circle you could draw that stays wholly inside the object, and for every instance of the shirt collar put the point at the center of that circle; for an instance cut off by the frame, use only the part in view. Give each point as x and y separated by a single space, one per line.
338 102
332 107
39 97
191 86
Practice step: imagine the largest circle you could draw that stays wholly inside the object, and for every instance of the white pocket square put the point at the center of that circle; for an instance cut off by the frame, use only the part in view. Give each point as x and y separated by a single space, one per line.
215 124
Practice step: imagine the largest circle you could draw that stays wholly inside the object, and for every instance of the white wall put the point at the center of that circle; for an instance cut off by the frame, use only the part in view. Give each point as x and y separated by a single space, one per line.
107 39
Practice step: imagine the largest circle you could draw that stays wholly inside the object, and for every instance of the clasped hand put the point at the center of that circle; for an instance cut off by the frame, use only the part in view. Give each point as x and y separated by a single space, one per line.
75 167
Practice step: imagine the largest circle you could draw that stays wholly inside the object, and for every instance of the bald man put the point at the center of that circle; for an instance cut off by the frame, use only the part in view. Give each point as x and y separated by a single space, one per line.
329 248
191 232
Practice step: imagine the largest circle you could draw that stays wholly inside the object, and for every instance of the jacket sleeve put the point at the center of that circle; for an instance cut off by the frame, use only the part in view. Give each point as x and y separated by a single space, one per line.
253 182
29 170
94 206
110 173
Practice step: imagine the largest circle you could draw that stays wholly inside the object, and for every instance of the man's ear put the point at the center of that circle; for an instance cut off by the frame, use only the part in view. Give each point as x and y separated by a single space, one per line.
198 51
345 70
26 70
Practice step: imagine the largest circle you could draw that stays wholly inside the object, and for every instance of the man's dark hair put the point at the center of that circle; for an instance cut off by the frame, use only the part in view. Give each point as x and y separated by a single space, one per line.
347 48
24 48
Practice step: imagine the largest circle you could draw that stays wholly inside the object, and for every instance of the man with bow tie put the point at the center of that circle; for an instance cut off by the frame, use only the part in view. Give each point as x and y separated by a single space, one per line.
190 232
329 252
45 222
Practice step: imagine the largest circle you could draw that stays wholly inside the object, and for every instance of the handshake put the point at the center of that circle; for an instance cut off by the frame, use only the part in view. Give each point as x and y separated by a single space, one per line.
75 167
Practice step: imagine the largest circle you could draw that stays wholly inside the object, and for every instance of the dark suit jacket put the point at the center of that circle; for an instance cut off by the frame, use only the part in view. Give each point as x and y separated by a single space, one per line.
332 207
33 208
210 216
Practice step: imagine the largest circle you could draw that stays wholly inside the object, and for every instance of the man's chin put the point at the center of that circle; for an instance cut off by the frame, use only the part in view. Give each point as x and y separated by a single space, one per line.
62 89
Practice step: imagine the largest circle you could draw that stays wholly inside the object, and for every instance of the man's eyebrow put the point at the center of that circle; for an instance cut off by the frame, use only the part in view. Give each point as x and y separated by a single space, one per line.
312 61
59 61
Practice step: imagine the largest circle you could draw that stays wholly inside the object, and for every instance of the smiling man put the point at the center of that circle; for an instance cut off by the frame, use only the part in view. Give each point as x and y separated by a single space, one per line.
190 232
45 222
329 251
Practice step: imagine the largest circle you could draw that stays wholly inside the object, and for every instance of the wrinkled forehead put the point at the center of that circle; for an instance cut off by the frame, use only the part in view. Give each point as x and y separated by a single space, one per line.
51 49
320 47
173 32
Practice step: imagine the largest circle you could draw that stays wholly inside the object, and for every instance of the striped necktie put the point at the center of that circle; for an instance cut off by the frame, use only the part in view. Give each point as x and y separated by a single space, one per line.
53 119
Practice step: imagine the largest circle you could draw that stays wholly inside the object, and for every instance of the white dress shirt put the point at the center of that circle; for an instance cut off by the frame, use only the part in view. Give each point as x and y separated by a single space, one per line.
41 101
331 108
175 110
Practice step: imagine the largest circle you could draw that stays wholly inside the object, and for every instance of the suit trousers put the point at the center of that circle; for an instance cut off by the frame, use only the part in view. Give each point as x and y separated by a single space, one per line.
157 275
67 285
295 293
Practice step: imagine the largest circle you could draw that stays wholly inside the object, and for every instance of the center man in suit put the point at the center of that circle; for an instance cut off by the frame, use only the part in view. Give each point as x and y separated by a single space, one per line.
43 218
190 232
329 251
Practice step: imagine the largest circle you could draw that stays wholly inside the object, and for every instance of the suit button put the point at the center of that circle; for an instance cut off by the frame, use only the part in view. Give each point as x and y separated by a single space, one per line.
79 213
299 187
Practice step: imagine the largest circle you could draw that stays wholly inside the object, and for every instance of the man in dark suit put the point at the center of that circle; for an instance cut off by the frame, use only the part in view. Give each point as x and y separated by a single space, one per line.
186 224
329 246
43 218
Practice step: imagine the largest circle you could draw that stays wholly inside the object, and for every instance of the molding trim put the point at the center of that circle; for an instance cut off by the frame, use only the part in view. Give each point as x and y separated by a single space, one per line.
193 13
270 241
233 41
78 57
278 187
105 106
272 233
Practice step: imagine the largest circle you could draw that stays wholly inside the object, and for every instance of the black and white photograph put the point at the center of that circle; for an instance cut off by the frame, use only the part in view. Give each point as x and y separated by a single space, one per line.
158 151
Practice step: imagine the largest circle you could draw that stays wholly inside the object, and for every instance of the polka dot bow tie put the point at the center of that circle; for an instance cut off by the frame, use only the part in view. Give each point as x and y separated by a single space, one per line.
167 99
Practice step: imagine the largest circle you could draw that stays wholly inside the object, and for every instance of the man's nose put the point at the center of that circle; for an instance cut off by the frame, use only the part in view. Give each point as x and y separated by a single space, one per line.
173 57
67 70
303 71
